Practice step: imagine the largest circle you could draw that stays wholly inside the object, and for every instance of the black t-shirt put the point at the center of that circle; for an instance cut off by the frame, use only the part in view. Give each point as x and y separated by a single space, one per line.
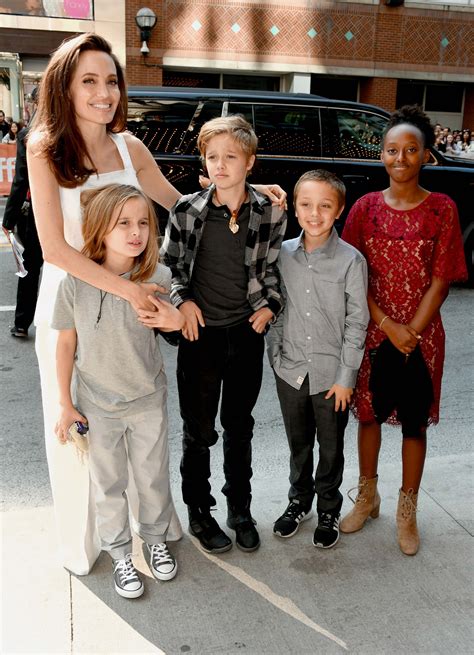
219 282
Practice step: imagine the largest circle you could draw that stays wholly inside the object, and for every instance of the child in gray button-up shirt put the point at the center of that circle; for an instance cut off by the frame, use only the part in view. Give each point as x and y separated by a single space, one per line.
315 349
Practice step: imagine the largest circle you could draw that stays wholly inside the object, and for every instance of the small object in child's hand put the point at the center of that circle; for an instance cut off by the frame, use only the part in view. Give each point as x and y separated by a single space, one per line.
77 434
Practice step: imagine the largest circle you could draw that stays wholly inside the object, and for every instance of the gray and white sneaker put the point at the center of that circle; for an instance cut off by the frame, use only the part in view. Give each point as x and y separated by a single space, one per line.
161 562
127 581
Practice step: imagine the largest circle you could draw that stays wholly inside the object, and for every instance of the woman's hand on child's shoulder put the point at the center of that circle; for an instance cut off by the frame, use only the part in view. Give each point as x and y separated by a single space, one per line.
274 192
139 296
342 396
68 415
164 316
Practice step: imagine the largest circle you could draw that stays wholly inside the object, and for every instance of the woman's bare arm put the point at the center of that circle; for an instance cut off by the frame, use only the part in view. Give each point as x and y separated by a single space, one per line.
151 179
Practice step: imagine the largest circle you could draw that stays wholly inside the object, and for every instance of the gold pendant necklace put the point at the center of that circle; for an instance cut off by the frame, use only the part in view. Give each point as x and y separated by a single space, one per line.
233 225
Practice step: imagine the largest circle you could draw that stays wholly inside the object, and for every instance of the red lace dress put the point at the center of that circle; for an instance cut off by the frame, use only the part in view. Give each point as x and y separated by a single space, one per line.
404 250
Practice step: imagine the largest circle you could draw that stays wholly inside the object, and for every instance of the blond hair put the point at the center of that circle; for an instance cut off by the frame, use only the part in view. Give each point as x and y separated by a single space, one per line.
236 126
99 206
320 175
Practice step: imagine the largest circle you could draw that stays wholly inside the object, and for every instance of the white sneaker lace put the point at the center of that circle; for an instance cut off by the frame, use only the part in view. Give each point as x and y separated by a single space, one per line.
159 554
127 572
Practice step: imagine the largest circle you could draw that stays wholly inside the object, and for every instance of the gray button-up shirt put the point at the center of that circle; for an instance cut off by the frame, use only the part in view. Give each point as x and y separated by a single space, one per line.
321 332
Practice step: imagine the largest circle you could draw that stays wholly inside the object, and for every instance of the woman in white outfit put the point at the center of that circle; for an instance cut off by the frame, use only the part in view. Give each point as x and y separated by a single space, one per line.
78 142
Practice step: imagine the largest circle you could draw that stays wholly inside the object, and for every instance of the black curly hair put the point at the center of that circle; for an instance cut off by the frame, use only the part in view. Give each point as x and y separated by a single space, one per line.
413 115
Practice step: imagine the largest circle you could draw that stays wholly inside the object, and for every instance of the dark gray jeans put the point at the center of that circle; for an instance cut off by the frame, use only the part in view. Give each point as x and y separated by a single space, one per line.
305 417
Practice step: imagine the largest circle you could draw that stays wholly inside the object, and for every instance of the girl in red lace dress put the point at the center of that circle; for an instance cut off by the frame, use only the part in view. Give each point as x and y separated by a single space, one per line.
412 242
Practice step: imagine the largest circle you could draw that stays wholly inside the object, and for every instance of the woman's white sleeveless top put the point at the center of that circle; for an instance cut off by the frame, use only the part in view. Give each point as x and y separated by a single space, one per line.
72 216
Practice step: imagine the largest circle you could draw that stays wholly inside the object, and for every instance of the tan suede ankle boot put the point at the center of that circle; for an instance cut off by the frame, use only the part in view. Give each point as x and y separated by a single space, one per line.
366 504
407 530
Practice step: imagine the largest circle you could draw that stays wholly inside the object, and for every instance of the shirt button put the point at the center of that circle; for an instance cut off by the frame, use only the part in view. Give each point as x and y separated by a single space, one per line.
307 290
309 338
226 215
310 266
309 360
308 314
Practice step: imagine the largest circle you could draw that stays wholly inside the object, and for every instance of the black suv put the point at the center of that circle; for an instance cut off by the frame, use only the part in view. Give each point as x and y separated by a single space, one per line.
296 133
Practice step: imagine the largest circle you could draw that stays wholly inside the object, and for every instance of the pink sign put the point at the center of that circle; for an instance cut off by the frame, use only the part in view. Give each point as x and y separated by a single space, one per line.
77 8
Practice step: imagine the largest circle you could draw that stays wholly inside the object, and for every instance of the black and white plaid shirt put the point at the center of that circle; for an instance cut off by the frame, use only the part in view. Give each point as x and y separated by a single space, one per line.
266 229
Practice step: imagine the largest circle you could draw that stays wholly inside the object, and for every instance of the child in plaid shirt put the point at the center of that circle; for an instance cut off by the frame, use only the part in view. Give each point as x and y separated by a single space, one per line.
222 245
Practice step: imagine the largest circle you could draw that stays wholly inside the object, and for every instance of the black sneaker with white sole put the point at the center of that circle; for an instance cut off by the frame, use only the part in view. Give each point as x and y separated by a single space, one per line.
127 581
161 562
289 522
326 534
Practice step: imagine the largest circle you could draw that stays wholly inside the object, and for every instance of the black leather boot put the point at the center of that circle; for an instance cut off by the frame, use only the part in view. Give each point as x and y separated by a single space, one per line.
206 529
240 520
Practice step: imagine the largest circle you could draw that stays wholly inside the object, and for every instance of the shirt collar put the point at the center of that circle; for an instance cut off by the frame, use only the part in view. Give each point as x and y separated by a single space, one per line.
257 200
329 248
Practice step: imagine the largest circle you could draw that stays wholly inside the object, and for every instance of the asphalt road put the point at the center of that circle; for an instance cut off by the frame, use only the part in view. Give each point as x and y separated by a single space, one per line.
24 472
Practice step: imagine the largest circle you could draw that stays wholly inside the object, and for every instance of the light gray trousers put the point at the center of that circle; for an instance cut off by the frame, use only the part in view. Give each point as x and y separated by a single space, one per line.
138 443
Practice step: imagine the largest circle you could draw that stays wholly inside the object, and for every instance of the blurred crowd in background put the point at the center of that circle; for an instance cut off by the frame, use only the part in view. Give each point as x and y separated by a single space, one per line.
455 143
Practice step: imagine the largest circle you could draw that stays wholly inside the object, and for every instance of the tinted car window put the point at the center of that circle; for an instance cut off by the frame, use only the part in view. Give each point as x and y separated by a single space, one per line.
288 131
357 135
160 124
204 112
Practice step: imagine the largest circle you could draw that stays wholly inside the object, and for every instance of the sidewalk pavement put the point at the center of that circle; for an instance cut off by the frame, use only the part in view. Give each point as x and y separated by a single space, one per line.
363 596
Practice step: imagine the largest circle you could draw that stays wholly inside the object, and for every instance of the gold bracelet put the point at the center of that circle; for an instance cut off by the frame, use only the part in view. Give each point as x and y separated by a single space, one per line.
383 321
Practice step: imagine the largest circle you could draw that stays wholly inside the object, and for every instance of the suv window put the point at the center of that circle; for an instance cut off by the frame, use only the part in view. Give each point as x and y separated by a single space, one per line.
204 111
283 131
357 135
160 124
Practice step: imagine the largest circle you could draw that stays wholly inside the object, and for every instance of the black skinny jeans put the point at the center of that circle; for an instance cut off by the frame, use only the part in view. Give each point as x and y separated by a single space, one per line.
227 360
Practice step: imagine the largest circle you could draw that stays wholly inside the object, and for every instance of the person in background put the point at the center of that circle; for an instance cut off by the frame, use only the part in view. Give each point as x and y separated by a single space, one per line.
12 134
4 125
413 245
19 217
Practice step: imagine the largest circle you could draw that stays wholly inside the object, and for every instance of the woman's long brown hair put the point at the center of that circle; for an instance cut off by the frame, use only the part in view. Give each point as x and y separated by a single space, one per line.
55 119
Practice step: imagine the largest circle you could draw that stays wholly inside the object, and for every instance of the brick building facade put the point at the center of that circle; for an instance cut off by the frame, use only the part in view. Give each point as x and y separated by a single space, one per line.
419 51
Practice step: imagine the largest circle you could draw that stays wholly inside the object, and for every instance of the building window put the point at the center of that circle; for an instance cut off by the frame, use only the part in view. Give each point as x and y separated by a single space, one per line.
434 97
444 97
251 82
337 87
410 93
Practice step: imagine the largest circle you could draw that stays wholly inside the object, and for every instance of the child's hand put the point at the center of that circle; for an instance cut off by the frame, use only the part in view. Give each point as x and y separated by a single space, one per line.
260 318
342 396
403 337
165 316
192 317
68 415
